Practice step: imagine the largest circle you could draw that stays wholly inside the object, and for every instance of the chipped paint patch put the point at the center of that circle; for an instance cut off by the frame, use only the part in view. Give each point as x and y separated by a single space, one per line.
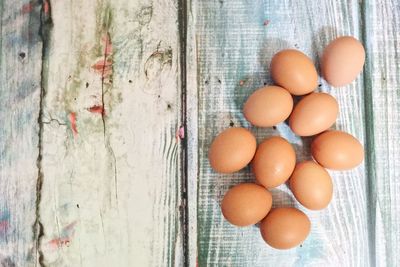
72 120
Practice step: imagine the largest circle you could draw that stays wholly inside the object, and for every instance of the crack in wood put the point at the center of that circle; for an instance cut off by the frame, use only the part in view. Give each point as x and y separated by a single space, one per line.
102 82
56 121
107 53
46 25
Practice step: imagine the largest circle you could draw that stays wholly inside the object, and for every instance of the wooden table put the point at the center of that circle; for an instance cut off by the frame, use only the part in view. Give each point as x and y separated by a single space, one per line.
108 107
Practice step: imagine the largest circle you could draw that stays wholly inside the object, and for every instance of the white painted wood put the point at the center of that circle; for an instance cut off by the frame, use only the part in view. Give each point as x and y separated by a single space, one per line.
111 185
382 22
20 72
20 67
236 41
192 131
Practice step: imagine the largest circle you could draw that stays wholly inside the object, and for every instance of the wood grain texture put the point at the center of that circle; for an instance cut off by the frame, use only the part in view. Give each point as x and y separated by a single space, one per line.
192 129
100 128
382 81
111 140
236 41
20 82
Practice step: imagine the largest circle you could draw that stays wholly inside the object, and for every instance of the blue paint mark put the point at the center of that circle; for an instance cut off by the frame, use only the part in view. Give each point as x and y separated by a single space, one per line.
4 224
5 215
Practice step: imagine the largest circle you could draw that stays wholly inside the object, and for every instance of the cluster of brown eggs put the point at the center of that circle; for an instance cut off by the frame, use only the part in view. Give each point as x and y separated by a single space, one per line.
273 162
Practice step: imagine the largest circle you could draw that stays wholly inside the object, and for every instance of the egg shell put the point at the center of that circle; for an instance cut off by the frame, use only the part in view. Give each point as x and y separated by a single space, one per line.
246 204
268 106
294 71
314 114
337 150
273 162
232 150
285 228
311 185
342 61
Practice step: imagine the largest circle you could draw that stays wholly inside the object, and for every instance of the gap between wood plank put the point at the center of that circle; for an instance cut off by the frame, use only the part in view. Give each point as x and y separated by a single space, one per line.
369 138
184 208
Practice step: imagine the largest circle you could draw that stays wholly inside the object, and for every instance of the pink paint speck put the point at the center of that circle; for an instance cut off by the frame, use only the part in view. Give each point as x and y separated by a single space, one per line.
3 226
97 109
72 120
46 6
103 67
65 237
180 134
58 242
108 45
27 8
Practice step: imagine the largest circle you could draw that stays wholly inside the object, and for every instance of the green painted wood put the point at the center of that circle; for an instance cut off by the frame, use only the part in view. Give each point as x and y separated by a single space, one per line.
20 83
236 41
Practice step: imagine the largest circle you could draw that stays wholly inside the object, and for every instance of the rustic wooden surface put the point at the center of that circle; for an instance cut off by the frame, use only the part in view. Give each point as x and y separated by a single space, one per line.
108 109
20 83
382 102
108 172
236 41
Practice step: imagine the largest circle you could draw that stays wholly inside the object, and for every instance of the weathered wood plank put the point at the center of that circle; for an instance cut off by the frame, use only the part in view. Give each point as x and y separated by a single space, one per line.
382 37
111 191
235 42
192 132
20 82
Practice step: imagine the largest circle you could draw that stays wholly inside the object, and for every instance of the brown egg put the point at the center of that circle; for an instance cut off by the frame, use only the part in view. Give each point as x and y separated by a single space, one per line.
285 228
337 150
314 114
246 204
273 162
232 150
268 106
343 59
294 71
312 185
